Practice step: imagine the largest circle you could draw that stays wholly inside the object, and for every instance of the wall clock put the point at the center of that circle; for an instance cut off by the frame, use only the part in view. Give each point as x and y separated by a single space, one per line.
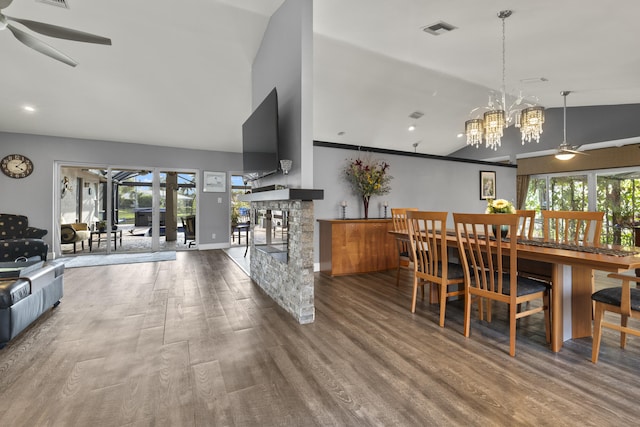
16 166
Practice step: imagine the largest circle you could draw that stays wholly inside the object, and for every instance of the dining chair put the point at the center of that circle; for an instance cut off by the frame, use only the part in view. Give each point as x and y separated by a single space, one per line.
572 227
431 263
189 229
563 227
405 260
623 300
526 221
485 276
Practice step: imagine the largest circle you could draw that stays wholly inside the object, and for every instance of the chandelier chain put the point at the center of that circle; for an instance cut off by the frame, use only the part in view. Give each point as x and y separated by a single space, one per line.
504 63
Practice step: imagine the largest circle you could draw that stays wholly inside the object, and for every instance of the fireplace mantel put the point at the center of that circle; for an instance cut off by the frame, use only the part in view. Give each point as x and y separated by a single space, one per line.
284 194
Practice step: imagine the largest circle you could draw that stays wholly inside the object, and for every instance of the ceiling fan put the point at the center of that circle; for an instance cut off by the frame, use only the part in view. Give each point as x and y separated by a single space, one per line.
47 30
566 151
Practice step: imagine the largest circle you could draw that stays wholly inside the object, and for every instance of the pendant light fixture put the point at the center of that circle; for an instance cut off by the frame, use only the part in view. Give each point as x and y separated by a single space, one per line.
528 117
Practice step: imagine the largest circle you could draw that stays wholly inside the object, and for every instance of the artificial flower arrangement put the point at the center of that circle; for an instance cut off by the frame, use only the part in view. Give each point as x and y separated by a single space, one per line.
368 178
500 206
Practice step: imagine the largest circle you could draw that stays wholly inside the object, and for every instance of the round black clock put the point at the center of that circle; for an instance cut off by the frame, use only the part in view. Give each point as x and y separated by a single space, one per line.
16 166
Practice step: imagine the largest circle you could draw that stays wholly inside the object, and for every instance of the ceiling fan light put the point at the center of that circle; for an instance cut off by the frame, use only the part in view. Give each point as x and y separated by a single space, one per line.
564 156
531 120
474 129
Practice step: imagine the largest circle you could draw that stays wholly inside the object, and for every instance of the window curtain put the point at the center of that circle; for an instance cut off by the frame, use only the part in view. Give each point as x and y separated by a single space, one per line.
522 186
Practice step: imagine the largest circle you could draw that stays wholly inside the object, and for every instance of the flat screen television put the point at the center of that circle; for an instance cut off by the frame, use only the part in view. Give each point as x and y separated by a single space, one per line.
260 139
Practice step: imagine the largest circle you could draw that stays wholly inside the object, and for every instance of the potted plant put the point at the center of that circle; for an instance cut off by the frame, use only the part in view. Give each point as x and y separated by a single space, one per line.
500 206
368 177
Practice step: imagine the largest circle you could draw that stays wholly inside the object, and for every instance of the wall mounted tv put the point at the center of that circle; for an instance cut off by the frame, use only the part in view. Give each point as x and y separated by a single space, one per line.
260 139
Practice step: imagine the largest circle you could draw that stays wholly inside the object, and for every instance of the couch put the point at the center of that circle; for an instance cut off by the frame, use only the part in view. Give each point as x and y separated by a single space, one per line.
18 239
74 233
24 299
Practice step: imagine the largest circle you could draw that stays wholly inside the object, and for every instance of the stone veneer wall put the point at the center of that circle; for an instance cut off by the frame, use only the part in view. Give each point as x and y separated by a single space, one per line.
290 284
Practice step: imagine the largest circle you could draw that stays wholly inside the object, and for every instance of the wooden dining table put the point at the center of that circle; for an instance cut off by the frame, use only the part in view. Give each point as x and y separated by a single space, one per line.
571 271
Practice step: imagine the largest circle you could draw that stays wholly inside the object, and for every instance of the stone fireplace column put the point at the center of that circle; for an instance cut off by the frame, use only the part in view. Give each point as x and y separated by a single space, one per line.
287 280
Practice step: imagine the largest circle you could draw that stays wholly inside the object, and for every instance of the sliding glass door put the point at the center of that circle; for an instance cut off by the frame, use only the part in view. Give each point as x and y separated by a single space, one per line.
126 209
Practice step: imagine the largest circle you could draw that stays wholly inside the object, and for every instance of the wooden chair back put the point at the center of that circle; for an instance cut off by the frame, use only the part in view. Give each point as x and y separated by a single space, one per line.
428 249
526 221
477 244
399 218
572 227
490 270
427 235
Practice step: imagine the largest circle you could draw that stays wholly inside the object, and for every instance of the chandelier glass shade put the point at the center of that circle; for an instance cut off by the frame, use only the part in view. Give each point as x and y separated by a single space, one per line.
527 116
474 129
531 120
494 124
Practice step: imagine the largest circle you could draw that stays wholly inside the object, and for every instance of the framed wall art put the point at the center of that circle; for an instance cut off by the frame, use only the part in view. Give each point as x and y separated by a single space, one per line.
214 182
487 185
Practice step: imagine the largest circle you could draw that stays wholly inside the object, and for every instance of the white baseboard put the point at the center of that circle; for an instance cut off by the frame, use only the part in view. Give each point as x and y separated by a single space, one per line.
209 246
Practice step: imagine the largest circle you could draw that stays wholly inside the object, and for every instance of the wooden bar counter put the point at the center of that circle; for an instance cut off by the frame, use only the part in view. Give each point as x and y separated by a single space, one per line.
351 246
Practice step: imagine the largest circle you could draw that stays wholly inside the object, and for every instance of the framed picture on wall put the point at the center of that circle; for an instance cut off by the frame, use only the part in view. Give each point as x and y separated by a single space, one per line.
214 182
487 185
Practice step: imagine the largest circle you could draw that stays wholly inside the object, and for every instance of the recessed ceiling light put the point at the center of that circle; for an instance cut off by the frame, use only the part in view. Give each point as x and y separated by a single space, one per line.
412 128
460 135
29 108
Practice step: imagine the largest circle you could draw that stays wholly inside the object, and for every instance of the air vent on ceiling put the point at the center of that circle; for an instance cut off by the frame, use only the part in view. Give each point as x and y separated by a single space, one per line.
438 28
59 3
416 115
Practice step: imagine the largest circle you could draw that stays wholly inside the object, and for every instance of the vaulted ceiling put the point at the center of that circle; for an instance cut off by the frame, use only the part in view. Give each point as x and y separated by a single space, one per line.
178 74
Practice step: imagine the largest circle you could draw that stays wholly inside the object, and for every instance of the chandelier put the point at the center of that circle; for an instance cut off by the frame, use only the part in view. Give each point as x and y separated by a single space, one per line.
526 116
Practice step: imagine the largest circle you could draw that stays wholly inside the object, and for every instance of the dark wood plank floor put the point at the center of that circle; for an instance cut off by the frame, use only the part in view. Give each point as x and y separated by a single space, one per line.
193 342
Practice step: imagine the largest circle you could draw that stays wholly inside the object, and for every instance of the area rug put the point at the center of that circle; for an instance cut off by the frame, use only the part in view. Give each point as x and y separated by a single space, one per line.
96 260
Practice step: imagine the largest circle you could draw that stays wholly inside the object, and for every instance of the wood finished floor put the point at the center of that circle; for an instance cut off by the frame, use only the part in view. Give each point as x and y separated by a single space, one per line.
193 342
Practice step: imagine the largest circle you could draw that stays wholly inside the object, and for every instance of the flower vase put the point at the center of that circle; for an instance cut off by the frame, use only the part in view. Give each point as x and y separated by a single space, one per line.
504 231
365 201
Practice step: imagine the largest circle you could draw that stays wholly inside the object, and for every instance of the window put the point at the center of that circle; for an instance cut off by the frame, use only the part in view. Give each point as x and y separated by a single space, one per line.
619 199
614 192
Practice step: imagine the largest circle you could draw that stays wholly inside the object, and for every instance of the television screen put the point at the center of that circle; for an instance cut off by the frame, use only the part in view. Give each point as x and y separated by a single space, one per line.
260 138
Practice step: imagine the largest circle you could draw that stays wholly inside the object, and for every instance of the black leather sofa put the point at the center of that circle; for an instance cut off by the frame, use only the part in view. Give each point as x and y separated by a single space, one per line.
18 240
23 299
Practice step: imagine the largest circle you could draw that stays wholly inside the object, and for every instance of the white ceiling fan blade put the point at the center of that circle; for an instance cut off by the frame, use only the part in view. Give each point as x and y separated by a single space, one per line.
572 149
576 152
60 32
5 3
41 46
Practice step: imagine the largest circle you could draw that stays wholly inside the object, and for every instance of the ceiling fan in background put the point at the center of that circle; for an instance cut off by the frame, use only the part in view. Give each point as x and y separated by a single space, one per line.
47 30
566 151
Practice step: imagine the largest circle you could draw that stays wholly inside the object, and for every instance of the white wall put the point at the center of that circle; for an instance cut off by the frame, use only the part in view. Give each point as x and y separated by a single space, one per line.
428 184
284 61
34 196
